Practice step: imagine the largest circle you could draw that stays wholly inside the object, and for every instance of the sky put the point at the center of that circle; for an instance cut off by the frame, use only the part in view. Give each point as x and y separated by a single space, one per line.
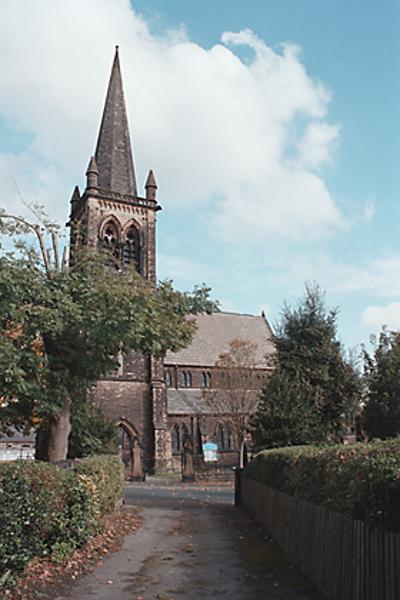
273 129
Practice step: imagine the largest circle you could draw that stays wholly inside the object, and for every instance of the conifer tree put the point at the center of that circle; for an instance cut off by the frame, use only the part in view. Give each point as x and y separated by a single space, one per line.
313 390
381 416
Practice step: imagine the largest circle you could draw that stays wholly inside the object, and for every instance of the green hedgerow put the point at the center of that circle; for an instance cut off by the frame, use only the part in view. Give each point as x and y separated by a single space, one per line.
107 474
47 511
361 481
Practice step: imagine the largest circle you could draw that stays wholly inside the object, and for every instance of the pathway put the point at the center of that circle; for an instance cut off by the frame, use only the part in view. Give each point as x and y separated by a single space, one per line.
193 545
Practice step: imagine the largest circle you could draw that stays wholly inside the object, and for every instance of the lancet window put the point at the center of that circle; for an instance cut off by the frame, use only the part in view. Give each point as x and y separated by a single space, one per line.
131 248
206 379
110 239
223 437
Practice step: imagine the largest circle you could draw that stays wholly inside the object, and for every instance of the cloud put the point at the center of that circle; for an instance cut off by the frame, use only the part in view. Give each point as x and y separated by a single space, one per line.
245 138
375 317
369 210
378 277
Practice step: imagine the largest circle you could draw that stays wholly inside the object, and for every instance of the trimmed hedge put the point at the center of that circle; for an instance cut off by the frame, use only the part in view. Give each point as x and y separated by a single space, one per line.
361 481
48 511
107 474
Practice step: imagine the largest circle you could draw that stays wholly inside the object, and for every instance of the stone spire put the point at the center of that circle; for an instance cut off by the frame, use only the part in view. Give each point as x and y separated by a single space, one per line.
92 175
151 186
113 151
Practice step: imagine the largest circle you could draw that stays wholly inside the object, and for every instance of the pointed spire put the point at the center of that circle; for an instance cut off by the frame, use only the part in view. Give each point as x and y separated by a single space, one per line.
92 175
151 180
113 151
76 196
151 186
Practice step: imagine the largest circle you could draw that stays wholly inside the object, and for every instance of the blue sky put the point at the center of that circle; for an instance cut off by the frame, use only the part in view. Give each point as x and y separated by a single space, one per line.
273 129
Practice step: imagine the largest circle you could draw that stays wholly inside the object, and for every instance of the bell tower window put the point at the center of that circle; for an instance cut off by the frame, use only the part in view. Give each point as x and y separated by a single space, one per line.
109 240
131 248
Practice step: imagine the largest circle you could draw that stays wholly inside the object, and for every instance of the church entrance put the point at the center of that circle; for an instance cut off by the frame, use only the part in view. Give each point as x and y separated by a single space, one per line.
130 451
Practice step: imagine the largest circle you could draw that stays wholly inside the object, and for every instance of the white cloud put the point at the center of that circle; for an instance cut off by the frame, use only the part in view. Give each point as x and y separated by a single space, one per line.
369 210
378 277
249 134
375 317
315 148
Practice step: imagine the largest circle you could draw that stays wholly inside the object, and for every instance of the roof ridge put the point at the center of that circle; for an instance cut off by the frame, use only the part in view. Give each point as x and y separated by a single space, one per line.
235 313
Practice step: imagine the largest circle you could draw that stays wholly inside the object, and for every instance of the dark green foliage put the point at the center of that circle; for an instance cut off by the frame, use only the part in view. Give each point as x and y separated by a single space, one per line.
40 506
107 474
61 331
285 414
313 390
361 481
91 433
47 511
381 416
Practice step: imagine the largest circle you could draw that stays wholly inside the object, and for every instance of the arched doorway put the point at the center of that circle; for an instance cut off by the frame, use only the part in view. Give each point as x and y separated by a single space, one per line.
130 451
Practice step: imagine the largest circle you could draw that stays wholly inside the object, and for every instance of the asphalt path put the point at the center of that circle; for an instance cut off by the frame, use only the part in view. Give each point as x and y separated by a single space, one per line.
193 545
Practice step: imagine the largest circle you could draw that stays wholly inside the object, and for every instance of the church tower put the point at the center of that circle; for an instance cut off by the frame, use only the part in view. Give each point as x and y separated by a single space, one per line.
110 214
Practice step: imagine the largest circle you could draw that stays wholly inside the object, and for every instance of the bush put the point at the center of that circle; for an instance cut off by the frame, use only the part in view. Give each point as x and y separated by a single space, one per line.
47 511
361 481
40 506
106 472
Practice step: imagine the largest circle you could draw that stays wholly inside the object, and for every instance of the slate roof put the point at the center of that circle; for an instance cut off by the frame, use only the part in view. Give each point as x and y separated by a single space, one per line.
214 334
186 402
113 152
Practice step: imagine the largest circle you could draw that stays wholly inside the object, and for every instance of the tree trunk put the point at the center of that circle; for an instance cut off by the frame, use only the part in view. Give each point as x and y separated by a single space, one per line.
60 428
242 454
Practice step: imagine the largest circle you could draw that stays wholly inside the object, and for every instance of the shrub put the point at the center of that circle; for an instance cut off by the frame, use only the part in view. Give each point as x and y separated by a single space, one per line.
361 481
106 472
47 511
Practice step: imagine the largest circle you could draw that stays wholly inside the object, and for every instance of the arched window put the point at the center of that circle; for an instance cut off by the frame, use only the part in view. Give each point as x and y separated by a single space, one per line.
227 438
168 378
131 248
223 437
110 239
185 379
219 434
176 440
206 379
184 434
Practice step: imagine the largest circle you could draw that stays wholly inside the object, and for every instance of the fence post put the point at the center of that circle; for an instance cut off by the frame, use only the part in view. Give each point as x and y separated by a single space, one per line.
238 485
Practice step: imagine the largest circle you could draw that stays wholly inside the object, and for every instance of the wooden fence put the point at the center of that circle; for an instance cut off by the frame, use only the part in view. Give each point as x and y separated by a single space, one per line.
343 558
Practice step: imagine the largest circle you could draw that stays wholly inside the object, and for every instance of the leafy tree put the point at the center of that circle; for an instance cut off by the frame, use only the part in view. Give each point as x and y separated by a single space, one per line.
285 414
381 415
314 389
238 398
62 326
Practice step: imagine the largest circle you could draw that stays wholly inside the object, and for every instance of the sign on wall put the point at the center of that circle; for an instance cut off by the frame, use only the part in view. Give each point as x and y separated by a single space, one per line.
210 452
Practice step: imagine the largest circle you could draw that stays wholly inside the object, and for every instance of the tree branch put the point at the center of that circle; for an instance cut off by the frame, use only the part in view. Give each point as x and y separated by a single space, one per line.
54 240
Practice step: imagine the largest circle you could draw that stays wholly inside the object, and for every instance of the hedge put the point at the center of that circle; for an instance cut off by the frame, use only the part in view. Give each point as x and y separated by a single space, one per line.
48 511
107 474
361 481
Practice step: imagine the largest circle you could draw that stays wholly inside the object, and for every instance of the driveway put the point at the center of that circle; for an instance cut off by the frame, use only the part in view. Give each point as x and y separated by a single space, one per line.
193 545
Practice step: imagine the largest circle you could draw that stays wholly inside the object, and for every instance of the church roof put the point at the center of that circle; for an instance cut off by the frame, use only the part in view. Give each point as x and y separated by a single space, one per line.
113 152
214 334
187 402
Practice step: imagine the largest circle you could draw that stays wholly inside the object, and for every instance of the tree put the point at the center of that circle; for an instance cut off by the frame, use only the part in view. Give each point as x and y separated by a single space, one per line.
381 415
237 398
314 389
63 325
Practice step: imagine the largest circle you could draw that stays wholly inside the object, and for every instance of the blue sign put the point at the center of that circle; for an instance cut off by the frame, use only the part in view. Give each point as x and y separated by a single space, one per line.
210 451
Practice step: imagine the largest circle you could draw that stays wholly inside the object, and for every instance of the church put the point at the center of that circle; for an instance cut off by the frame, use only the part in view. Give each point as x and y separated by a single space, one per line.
157 404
